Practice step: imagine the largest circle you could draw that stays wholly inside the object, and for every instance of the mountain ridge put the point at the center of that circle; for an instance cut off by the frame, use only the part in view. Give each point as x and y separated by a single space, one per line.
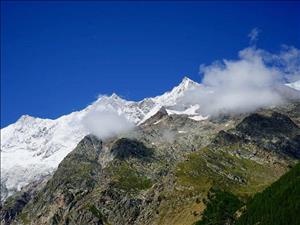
33 147
159 174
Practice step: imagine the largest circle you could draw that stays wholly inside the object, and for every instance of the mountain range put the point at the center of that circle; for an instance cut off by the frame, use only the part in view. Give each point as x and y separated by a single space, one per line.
158 172
33 147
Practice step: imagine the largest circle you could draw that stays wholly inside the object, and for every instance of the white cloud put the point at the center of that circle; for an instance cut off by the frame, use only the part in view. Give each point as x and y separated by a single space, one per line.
289 61
105 122
254 80
245 84
253 35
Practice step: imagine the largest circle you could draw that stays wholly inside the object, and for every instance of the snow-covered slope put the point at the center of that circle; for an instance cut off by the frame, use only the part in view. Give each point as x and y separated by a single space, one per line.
33 147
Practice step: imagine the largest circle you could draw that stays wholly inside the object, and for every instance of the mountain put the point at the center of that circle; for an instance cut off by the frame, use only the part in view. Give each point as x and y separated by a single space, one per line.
162 171
33 147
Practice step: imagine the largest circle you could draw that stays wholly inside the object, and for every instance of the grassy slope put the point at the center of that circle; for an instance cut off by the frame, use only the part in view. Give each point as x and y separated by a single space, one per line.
209 168
279 204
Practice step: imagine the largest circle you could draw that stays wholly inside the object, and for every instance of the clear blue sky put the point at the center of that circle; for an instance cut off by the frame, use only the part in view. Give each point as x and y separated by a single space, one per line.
57 57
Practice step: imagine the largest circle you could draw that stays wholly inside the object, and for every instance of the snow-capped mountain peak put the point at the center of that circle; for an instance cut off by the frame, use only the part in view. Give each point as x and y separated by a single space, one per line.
110 99
188 83
170 98
115 97
25 118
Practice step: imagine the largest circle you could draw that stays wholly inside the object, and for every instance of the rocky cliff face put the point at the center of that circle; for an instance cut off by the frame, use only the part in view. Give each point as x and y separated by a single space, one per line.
161 172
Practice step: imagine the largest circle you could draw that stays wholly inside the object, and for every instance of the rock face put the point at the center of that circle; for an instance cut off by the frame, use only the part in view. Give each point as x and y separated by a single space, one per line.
15 204
161 172
76 176
276 132
125 148
257 125
11 211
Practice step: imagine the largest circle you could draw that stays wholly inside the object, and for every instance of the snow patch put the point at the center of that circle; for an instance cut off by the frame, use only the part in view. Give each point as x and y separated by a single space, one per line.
192 110
182 131
157 122
198 117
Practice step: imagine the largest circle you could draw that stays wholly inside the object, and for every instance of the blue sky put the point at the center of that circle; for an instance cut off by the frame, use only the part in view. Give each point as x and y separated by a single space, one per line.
57 57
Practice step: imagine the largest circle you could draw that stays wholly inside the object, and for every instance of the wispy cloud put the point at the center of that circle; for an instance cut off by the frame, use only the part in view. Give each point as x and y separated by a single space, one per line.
253 35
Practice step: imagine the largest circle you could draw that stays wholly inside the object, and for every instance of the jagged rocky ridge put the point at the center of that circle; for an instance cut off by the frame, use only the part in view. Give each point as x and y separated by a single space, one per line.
161 172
